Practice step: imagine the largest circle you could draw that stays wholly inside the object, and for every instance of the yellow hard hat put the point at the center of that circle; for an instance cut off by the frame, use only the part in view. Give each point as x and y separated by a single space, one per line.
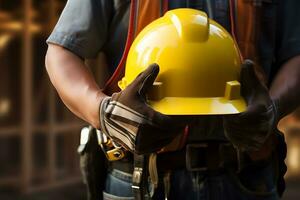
199 65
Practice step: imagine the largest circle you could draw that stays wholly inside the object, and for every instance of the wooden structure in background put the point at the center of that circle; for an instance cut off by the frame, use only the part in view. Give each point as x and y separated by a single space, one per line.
38 140
290 126
45 138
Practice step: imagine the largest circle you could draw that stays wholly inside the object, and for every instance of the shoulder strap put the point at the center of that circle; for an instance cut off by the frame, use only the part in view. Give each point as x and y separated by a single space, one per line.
142 12
245 16
245 24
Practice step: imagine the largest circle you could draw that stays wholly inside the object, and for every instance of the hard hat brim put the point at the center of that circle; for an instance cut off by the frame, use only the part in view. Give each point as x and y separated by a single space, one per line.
198 106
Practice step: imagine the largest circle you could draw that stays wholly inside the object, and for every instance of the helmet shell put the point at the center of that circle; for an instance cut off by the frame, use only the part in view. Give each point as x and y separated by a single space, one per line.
199 65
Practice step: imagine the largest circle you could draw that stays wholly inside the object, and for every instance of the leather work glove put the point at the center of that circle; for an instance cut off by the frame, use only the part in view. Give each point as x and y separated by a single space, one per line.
128 120
250 129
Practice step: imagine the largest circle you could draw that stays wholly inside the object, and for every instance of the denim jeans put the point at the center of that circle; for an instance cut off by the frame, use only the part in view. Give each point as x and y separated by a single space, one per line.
253 183
118 186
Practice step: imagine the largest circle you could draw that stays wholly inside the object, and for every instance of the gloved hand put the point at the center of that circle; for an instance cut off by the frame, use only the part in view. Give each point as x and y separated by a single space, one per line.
250 129
126 118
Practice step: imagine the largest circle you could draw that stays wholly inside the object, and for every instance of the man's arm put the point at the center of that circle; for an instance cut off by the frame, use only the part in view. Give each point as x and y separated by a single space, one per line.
73 38
147 131
74 83
285 89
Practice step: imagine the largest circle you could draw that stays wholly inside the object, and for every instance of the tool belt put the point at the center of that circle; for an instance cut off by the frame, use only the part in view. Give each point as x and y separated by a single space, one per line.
202 157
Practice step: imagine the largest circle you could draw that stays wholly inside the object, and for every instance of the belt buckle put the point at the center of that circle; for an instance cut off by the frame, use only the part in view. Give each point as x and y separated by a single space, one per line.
114 154
194 155
112 151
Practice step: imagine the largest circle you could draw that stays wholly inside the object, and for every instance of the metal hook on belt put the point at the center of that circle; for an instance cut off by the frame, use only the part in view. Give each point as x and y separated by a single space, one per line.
111 150
139 176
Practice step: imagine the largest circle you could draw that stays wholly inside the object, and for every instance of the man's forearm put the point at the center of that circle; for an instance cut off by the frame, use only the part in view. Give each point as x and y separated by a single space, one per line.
285 88
74 83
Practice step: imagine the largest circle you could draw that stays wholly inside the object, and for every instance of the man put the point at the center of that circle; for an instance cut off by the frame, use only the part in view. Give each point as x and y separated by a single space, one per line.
87 27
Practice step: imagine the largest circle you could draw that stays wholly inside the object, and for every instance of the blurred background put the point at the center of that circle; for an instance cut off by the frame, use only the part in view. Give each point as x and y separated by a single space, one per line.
38 135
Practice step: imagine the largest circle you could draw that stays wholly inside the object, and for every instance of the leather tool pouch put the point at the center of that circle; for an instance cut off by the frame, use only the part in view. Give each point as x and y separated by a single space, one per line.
93 164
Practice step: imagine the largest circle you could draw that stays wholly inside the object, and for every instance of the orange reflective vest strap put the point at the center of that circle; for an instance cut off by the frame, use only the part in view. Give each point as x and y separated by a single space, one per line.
148 11
111 85
245 16
244 26
142 12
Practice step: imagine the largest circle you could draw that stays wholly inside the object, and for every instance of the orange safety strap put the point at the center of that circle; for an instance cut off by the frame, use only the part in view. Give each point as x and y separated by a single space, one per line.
232 8
232 19
112 84
244 16
149 10
184 137
142 12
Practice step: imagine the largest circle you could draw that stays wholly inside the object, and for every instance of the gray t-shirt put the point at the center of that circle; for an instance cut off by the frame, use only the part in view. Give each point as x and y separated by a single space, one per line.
90 26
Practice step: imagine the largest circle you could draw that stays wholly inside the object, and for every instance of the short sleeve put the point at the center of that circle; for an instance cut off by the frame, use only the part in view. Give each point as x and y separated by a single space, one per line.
83 26
288 30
